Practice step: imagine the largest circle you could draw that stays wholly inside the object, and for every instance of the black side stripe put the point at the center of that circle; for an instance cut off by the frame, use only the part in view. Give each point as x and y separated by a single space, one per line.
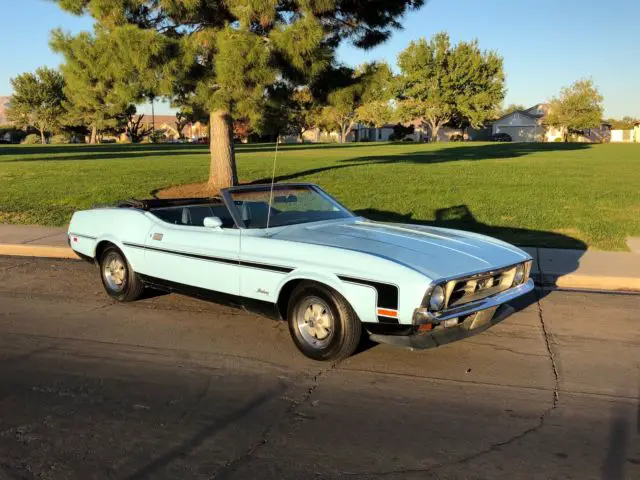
229 261
82 236
387 293
263 266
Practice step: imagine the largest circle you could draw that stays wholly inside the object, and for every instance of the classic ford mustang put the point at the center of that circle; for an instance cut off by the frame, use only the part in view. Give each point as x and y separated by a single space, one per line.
293 252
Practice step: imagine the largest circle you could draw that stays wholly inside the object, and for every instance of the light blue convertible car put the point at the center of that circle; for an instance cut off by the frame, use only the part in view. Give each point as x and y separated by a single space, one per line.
293 252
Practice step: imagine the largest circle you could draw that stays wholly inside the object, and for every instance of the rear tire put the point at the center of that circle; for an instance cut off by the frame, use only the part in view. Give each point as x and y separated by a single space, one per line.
322 323
118 278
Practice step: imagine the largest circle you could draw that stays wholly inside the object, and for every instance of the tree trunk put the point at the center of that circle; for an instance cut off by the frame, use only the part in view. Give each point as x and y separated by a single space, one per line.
43 140
153 118
222 172
435 128
94 135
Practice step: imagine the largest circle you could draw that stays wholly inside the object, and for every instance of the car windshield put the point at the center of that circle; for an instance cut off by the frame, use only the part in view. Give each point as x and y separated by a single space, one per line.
289 205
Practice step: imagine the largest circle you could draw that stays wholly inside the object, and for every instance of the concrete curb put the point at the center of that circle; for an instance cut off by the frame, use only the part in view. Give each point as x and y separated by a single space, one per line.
37 251
588 282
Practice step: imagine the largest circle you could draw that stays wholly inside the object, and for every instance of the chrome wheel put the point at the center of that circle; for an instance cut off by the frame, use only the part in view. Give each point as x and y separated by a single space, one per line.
315 322
114 271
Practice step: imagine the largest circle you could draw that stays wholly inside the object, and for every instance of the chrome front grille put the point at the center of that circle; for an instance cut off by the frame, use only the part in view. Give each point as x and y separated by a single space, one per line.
476 287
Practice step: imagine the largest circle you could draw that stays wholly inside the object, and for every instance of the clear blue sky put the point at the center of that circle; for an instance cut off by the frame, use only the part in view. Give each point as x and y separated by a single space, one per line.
546 44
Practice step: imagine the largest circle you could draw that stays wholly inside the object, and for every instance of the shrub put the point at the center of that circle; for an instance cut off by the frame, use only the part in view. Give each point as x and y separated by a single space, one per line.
456 137
558 139
59 139
157 137
31 139
407 139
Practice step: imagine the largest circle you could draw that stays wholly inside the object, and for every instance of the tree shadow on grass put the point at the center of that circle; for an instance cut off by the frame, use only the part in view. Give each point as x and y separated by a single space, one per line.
36 153
114 151
460 217
468 152
489 151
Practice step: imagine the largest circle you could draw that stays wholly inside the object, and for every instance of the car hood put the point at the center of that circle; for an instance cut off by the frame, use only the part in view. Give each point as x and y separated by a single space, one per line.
435 252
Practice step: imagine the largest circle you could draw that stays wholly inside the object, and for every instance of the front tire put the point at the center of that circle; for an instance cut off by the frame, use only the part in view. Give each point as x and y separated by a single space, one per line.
322 323
118 278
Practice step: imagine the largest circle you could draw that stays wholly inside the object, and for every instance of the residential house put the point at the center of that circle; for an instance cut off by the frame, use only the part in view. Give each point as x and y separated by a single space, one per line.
166 125
529 126
363 133
523 125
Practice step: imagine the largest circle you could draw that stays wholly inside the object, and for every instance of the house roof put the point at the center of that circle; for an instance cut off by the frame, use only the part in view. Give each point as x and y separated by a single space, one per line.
522 112
159 119
528 112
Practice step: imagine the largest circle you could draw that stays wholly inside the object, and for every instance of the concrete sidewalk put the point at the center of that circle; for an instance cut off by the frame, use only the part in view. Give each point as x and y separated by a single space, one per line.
553 267
34 241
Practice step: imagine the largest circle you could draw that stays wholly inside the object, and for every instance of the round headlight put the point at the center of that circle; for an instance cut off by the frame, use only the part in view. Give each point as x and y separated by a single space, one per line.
436 300
518 277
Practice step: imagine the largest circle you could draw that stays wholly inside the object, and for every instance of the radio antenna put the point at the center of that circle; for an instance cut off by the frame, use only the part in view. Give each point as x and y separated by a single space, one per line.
273 178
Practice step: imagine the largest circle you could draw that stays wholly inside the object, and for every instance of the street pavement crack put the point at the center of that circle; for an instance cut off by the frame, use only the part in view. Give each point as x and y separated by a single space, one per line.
551 353
290 414
499 445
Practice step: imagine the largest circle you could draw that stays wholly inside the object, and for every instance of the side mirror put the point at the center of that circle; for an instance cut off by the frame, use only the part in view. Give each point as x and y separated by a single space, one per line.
212 222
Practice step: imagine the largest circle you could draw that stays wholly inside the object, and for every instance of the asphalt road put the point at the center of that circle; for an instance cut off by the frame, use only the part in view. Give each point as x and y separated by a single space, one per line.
171 387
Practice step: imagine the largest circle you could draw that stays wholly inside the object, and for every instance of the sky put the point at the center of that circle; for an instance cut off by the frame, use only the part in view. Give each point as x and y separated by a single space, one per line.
546 44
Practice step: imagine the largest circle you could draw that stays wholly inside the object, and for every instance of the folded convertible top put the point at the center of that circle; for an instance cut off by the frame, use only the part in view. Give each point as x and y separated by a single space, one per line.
151 203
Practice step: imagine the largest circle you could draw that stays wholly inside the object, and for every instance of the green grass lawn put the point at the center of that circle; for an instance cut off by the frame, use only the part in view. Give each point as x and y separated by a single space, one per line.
553 194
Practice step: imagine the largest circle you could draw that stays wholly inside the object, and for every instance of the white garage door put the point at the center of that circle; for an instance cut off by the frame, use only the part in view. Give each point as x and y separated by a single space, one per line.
521 134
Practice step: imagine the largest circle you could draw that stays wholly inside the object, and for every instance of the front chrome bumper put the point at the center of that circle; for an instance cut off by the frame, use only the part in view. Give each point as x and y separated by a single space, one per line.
475 319
422 315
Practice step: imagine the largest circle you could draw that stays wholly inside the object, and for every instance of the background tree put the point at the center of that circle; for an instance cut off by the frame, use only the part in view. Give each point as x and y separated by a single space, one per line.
107 71
625 123
365 98
577 108
37 100
340 114
133 126
182 120
301 111
375 108
231 51
91 97
440 82
513 107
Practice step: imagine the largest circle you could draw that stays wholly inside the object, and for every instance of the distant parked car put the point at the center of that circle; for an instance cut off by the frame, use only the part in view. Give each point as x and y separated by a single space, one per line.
501 137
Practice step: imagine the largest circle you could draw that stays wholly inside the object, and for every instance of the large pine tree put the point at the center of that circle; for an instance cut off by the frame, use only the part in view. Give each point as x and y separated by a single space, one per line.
230 51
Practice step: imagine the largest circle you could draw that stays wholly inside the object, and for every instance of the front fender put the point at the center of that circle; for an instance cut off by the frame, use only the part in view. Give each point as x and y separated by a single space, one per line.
361 298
